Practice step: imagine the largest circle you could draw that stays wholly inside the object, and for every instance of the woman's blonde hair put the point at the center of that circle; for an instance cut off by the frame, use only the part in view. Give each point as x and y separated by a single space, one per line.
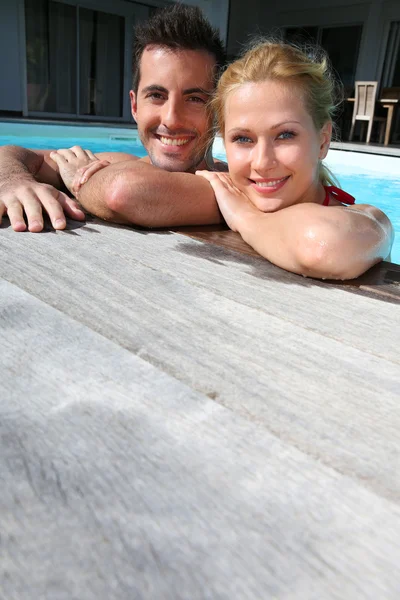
275 60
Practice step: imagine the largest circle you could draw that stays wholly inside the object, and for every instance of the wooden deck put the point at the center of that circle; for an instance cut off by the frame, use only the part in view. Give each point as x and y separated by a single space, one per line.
179 419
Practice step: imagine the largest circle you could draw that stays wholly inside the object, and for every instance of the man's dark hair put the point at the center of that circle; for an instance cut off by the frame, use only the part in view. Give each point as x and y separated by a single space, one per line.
178 27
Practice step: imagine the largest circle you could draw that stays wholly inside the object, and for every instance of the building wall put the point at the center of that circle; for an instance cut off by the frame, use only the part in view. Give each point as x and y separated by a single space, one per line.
12 40
255 16
11 96
216 11
237 21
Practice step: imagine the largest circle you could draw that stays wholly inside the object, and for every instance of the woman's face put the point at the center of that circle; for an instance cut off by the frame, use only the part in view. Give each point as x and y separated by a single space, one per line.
272 145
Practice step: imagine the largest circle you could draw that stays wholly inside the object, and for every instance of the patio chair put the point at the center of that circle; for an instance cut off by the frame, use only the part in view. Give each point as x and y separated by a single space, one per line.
364 109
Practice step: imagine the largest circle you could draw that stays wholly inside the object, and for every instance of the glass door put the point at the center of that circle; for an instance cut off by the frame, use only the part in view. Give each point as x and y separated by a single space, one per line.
341 43
75 60
391 75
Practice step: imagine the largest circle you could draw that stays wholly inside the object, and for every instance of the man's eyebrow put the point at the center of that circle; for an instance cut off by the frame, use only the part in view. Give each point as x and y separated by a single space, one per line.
197 90
154 88
159 88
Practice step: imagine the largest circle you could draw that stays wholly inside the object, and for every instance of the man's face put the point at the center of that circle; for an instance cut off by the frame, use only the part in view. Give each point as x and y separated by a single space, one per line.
170 106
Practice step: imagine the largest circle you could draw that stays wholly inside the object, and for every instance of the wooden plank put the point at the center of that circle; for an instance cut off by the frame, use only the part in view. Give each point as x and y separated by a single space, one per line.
381 282
298 358
252 281
120 482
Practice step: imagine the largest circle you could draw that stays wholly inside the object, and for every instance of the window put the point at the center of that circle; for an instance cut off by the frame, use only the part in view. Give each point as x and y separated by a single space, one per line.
341 43
391 68
75 60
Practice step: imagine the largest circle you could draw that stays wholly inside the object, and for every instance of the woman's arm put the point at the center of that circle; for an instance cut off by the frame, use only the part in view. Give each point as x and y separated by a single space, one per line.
308 239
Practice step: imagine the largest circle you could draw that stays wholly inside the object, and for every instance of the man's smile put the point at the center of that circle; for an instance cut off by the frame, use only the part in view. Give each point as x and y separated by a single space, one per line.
174 141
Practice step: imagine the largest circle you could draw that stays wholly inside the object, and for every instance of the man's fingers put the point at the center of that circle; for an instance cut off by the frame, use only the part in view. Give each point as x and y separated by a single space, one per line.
58 158
2 210
56 204
48 198
83 174
91 155
33 211
71 207
92 169
79 152
67 154
16 216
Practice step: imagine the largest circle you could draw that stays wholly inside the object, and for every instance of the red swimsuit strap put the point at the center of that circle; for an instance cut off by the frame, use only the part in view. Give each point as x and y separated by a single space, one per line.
338 194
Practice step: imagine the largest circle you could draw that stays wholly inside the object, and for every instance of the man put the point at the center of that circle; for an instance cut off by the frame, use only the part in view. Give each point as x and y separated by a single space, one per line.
176 61
177 58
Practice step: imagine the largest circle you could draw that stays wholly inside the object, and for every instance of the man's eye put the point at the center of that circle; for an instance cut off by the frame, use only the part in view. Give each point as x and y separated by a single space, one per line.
286 135
155 96
196 99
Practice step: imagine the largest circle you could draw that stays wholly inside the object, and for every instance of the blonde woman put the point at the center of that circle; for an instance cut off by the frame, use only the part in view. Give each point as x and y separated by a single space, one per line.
274 109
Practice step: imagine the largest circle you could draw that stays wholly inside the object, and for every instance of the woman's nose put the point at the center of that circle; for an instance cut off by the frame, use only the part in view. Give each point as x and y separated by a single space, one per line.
264 157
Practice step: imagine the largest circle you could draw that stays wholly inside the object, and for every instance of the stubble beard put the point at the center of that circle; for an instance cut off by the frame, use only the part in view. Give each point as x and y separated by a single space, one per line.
171 164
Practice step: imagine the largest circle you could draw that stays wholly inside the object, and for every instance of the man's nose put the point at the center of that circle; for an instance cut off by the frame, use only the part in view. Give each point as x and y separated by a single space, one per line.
264 158
173 114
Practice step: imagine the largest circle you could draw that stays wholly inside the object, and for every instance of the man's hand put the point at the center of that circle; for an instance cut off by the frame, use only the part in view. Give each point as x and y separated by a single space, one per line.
76 166
26 199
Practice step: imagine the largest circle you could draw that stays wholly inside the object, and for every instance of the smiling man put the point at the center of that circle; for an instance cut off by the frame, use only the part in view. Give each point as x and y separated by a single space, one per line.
171 117
177 58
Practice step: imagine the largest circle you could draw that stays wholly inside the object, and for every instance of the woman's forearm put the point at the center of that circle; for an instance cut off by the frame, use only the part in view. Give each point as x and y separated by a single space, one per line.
317 241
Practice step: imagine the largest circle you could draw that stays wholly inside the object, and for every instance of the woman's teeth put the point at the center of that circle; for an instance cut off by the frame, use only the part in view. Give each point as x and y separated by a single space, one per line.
269 183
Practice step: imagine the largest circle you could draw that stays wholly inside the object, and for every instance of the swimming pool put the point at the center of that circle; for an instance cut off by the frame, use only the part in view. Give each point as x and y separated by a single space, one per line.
372 179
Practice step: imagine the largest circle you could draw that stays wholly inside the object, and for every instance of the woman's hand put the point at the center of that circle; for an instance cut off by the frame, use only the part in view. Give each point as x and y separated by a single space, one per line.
76 166
233 203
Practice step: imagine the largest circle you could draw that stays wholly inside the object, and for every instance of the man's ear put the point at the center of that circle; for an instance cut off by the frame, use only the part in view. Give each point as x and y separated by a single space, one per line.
132 96
326 136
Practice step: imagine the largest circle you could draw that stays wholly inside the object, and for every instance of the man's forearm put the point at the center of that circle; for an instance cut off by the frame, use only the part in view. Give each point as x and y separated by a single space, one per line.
20 164
138 193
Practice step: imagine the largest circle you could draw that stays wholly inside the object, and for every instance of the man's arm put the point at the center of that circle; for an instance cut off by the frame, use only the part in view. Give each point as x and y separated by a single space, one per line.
139 193
20 192
30 182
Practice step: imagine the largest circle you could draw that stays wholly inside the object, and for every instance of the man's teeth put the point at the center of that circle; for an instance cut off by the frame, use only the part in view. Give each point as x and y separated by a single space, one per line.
174 141
269 183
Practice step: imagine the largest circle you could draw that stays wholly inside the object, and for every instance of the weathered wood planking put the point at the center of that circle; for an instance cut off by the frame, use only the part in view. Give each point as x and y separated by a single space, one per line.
381 282
120 482
315 365
315 305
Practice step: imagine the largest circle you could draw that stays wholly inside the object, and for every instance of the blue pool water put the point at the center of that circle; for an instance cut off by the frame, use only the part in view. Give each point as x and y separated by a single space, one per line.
372 179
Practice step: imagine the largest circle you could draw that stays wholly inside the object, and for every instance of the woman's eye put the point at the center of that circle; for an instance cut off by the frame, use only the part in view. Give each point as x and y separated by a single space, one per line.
242 139
286 135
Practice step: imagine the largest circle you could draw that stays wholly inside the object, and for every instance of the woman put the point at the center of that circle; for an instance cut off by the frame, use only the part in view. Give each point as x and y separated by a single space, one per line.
274 109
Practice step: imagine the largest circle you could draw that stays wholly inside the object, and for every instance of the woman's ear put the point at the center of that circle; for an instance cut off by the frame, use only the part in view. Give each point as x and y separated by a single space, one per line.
326 136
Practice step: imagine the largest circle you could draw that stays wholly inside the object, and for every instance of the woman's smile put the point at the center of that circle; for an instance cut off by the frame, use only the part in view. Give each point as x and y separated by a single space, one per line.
272 145
268 186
